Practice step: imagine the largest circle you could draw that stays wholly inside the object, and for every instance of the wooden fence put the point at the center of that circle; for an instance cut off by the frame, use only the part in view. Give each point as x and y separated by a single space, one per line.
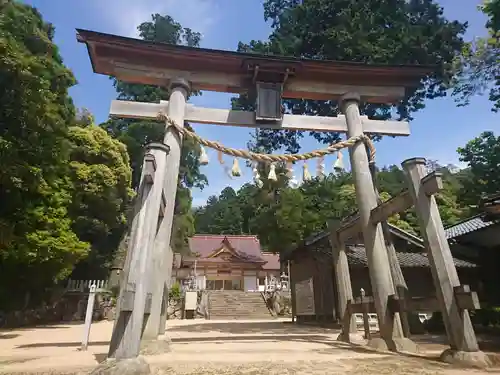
84 285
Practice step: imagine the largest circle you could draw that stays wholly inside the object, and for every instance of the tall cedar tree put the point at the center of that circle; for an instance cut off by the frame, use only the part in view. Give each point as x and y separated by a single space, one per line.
478 67
370 31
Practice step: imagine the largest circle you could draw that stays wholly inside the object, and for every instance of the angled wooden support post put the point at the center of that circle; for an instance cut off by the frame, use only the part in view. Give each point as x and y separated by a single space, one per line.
134 302
460 332
397 277
168 258
376 253
157 280
396 272
366 317
343 280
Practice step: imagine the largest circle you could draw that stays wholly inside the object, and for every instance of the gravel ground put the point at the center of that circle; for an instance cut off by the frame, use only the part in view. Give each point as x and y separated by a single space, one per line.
216 347
380 366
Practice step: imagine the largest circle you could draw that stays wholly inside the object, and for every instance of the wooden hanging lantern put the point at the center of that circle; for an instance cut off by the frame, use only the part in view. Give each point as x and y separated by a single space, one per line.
268 105
269 78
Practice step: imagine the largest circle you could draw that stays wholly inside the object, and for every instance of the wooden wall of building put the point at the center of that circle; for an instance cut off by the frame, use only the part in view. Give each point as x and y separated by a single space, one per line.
319 270
320 276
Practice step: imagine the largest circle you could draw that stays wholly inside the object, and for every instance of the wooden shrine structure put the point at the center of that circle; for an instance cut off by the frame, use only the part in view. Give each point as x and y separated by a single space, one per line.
141 305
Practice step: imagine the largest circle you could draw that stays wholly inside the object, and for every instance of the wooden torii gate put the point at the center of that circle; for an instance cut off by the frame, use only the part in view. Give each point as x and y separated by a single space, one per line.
141 306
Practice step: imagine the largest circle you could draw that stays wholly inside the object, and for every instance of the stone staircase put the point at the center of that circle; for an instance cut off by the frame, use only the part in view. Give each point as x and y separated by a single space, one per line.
237 304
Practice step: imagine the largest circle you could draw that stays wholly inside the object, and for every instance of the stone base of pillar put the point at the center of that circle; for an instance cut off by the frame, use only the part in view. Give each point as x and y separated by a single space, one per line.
477 359
352 338
159 346
133 366
400 345
405 345
378 343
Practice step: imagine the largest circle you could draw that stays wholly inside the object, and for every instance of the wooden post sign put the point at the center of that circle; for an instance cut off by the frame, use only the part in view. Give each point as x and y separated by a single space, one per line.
88 316
184 69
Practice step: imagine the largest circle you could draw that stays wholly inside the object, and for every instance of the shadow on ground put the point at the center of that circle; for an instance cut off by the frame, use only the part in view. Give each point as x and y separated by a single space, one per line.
487 342
6 336
61 344
64 325
270 327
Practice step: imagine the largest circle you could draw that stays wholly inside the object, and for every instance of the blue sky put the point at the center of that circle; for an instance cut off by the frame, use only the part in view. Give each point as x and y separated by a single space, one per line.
437 131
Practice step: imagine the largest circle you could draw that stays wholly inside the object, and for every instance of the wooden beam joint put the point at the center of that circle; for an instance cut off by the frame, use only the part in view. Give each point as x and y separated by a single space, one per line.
199 115
432 184
466 300
127 301
149 168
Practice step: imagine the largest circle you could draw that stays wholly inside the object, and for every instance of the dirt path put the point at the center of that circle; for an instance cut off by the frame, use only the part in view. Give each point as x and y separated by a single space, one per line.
212 347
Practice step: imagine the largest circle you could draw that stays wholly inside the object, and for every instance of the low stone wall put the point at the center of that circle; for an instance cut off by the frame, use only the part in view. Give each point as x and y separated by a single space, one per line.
174 310
70 307
279 302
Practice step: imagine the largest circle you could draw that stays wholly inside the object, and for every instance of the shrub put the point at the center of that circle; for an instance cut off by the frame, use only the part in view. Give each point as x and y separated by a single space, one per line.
175 292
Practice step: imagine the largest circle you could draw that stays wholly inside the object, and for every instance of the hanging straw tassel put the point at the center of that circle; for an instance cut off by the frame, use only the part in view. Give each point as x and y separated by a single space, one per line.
321 168
235 170
272 173
220 157
292 181
227 170
306 175
339 163
256 178
203 159
289 170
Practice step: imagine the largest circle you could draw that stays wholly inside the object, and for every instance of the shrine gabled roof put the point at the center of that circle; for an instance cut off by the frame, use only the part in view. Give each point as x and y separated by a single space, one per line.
272 261
110 54
245 247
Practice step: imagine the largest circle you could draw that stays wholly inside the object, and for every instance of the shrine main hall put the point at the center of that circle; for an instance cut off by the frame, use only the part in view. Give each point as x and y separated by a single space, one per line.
226 262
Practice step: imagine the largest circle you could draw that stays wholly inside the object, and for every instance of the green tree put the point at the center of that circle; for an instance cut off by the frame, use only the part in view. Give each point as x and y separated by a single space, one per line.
135 134
37 244
370 31
100 173
482 154
478 66
282 216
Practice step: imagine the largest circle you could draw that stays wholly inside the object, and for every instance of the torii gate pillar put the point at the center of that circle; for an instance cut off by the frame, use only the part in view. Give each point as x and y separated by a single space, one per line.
180 90
148 254
391 331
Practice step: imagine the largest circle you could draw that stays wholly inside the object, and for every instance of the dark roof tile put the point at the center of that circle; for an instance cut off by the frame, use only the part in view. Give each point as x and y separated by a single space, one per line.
467 226
356 256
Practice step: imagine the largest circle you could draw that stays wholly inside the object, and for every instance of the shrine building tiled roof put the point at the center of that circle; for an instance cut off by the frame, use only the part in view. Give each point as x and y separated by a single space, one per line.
356 256
467 226
246 247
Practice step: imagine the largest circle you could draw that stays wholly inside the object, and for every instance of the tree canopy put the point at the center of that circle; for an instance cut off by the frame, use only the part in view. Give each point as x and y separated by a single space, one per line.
482 154
478 66
63 182
35 113
282 217
101 178
372 31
